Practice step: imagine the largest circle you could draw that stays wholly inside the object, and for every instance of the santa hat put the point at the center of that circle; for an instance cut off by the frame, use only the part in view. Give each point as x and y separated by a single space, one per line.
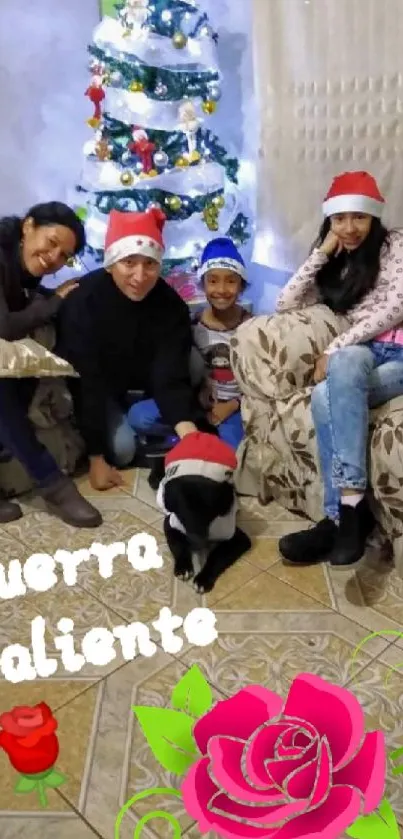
222 253
129 234
354 192
200 454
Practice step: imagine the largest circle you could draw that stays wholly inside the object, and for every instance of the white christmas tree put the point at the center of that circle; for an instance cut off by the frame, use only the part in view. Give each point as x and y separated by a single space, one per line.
154 82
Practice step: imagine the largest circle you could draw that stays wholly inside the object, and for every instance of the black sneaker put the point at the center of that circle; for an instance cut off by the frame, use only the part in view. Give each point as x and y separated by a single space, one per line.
356 525
309 546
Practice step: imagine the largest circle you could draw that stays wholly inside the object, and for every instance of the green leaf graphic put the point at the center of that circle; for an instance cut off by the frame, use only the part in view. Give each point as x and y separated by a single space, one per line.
397 770
55 779
379 825
25 784
192 694
169 735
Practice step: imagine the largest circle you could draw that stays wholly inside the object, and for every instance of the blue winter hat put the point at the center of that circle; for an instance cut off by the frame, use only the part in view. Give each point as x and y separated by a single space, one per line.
222 253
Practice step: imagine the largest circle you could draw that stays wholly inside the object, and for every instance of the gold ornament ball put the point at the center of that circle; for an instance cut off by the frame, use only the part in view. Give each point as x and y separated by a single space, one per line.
153 173
136 87
175 203
219 201
179 40
195 156
182 162
126 178
209 107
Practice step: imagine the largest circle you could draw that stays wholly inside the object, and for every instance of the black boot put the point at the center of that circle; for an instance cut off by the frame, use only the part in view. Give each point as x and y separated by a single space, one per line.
356 525
309 546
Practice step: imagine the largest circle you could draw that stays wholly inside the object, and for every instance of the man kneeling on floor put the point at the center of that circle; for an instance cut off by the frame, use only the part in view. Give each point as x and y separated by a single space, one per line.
125 329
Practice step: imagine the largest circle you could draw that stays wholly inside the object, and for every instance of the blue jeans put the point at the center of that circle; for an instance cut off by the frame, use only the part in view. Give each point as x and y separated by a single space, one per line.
358 378
143 418
17 433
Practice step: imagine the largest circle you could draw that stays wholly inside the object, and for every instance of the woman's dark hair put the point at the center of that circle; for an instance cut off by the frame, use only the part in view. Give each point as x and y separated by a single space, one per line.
348 277
43 215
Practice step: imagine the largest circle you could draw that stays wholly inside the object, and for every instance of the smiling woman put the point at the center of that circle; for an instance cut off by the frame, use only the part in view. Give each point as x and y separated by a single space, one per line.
39 244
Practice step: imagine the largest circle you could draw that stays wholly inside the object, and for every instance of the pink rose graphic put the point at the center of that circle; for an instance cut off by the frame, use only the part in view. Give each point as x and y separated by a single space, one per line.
297 769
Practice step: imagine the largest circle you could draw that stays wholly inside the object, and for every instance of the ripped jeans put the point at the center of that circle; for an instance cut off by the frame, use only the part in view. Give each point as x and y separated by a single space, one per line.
359 378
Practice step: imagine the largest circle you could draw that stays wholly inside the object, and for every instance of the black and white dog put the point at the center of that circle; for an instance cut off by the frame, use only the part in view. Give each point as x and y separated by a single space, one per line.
198 498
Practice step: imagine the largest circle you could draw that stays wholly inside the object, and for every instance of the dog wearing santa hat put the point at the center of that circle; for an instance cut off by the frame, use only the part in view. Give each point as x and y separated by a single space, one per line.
198 498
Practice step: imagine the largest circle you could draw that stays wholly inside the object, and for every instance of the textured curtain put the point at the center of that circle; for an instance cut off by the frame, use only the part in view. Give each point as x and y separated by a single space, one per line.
330 88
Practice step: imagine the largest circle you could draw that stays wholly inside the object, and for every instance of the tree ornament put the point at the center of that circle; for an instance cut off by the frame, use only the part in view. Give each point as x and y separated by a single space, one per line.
195 157
143 148
179 40
214 91
96 95
219 201
161 89
161 159
103 150
174 203
136 87
126 178
209 107
189 124
152 173
133 17
181 162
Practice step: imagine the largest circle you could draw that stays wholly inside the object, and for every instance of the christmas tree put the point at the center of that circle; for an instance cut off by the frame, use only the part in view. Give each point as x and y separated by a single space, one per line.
154 82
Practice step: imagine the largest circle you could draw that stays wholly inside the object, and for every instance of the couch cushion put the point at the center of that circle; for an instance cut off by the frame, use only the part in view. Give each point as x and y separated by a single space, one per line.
272 356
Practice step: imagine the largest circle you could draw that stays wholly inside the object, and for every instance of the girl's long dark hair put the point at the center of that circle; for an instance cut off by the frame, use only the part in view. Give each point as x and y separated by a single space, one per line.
348 277
51 212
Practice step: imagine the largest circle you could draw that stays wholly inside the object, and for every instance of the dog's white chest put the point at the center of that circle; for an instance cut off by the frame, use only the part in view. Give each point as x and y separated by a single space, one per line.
220 530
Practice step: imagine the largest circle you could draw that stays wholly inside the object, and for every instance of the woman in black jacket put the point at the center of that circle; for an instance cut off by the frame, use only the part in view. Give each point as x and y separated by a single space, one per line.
39 244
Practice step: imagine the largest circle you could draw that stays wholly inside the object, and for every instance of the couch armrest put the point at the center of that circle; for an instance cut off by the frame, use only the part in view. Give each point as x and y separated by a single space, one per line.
272 356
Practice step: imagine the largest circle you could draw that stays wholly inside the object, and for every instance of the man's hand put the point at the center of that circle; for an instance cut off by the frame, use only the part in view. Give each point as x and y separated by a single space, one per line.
65 288
184 428
103 476
222 410
320 371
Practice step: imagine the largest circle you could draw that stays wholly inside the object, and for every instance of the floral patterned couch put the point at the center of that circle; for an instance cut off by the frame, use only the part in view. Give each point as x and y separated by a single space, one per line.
273 359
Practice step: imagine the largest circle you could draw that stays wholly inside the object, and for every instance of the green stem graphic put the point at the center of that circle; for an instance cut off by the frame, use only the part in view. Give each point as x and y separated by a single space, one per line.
394 632
42 794
159 814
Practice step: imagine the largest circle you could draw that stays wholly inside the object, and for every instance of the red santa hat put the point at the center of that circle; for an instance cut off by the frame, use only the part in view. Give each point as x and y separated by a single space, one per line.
354 192
201 454
129 234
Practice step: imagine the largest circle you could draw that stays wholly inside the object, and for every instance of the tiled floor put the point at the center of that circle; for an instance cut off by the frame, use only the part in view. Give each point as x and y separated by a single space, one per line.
274 622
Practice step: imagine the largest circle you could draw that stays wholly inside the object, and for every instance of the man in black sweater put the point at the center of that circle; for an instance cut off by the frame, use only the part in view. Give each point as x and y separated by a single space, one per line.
125 329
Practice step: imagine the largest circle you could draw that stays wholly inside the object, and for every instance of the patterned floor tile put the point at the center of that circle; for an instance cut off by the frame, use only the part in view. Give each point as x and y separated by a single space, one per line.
233 581
367 597
40 531
143 492
265 593
48 827
272 648
311 580
263 553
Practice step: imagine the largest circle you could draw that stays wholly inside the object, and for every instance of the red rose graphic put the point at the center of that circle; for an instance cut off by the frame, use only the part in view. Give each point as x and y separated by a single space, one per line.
27 735
293 769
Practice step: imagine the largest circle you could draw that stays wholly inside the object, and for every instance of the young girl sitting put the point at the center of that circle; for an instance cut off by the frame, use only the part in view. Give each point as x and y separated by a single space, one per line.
223 275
